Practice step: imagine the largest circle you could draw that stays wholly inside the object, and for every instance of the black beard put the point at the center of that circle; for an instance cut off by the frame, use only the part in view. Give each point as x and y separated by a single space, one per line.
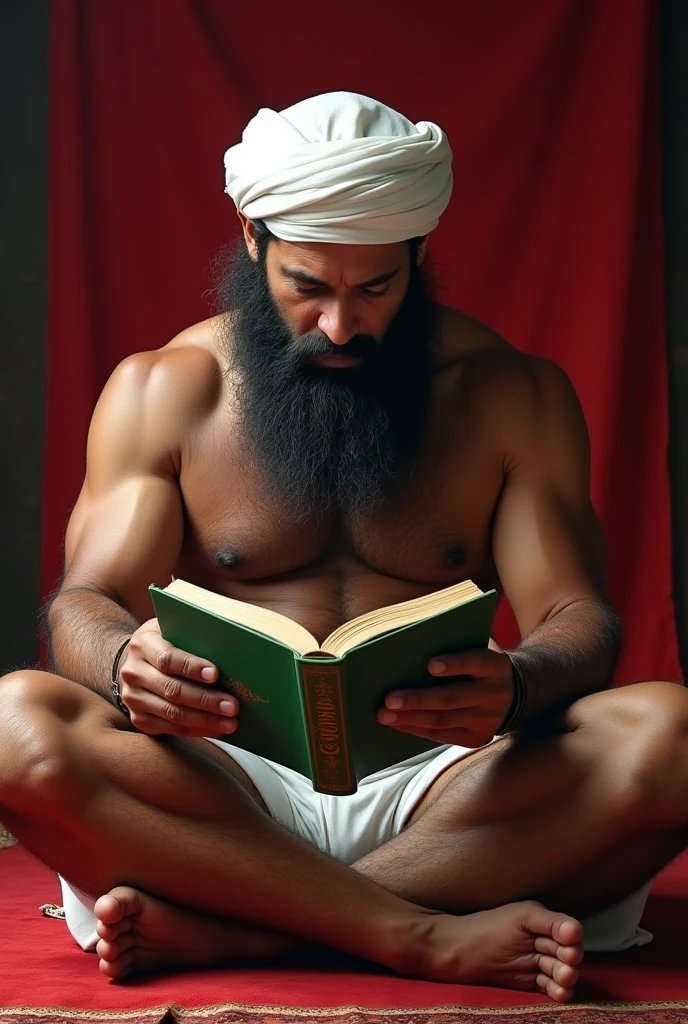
324 439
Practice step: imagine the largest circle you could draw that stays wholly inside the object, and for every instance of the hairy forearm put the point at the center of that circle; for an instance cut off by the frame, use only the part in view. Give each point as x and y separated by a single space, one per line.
568 656
85 629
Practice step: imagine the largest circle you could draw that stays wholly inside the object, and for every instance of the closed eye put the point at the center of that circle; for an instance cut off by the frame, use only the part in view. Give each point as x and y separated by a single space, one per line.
372 292
306 284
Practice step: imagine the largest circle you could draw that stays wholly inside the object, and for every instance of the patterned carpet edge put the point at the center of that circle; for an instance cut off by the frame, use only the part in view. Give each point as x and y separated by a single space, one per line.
235 1013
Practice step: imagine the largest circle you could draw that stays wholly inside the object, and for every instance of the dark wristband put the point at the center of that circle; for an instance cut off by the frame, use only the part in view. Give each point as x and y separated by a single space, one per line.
518 704
114 679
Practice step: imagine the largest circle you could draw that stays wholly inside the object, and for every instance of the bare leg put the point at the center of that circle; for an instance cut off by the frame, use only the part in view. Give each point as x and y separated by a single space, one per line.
587 815
547 819
100 802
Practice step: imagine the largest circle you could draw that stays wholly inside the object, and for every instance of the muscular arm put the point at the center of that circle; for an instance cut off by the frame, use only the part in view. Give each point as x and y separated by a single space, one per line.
126 528
549 552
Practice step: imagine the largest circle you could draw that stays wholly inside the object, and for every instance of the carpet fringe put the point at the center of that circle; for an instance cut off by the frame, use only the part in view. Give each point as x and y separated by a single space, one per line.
354 1014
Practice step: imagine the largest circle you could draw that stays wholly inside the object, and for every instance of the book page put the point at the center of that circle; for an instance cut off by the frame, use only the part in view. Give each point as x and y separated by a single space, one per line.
381 620
263 620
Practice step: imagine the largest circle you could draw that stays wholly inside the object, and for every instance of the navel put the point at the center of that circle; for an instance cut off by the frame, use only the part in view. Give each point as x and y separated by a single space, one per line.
454 558
228 558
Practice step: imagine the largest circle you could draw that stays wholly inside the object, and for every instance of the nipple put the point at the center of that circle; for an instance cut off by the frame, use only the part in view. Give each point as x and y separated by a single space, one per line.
228 559
454 558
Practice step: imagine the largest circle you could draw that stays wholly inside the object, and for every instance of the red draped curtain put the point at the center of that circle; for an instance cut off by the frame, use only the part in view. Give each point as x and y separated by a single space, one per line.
553 235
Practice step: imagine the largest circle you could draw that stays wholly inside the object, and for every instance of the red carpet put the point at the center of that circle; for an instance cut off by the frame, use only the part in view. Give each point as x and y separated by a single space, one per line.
45 977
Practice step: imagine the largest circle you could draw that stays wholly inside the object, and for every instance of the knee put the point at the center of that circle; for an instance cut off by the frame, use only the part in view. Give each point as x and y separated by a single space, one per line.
34 754
641 734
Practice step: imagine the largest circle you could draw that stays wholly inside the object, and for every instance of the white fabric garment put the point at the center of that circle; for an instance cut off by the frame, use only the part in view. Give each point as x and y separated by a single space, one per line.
349 827
340 167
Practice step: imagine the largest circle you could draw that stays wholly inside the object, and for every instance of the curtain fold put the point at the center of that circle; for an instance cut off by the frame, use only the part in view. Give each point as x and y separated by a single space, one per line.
553 236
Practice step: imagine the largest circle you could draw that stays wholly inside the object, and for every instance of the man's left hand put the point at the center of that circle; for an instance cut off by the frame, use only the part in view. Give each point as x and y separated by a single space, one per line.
467 712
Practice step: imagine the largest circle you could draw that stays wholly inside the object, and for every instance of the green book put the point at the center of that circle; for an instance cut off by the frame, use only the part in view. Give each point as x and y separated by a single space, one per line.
313 707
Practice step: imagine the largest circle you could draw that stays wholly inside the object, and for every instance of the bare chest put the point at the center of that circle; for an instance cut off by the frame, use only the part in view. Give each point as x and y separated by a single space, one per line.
433 532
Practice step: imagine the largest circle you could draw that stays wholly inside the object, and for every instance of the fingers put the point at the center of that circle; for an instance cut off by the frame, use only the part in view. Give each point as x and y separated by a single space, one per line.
139 679
450 719
158 717
467 727
447 696
475 663
176 702
467 711
149 645
461 737
166 690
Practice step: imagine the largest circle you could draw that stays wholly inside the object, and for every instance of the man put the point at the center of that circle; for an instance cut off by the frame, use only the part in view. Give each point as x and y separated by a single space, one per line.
335 441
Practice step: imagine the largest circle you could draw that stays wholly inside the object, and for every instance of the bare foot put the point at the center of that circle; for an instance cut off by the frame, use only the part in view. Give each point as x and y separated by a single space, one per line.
140 933
520 945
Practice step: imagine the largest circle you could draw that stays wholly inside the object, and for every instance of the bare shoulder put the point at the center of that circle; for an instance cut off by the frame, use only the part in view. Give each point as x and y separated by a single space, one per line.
186 370
183 378
520 395
154 398
461 336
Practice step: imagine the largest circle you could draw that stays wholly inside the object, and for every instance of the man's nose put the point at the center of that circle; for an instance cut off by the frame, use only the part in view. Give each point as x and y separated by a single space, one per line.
339 323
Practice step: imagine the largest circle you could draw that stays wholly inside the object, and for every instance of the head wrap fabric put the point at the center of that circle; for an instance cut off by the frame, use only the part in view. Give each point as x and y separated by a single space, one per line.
340 167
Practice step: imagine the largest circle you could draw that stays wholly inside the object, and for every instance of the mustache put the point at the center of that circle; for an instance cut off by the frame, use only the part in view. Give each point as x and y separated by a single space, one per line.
361 346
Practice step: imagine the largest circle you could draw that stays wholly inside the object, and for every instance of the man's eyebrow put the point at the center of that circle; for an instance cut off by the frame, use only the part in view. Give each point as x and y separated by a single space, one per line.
380 279
305 278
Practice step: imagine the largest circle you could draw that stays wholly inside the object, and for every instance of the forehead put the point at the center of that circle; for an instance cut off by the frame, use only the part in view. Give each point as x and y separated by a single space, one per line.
330 261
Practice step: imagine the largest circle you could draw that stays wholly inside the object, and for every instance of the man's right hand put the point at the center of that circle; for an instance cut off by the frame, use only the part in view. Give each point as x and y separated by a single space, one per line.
168 691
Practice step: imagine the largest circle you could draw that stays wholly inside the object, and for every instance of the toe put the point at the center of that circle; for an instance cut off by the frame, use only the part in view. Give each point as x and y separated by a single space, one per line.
108 910
567 930
567 954
120 902
564 929
550 987
112 950
119 968
563 974
110 932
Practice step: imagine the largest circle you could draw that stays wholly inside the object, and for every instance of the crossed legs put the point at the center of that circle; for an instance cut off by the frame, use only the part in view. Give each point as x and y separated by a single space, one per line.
105 805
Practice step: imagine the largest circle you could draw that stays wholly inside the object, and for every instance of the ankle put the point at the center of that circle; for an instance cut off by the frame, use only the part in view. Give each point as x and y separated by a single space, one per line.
408 942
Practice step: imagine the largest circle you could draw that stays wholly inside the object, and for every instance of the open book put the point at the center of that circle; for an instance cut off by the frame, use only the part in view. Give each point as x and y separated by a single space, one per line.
312 707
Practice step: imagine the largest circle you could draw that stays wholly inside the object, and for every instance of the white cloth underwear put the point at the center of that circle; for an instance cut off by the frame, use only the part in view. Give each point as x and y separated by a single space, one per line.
349 827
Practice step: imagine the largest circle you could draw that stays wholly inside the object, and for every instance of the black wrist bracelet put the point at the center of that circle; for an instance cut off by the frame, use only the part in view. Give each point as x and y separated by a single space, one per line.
114 679
518 704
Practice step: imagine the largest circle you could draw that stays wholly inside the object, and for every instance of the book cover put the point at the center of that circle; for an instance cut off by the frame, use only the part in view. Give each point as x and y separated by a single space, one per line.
259 671
317 715
397 660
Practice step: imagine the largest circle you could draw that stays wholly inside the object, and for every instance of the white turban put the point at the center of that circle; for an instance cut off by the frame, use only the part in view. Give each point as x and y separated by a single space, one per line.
340 168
